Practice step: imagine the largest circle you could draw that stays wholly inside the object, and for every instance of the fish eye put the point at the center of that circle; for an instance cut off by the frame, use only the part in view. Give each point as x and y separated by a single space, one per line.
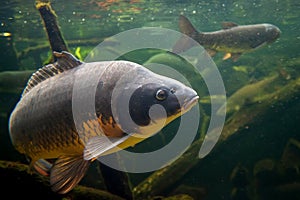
161 95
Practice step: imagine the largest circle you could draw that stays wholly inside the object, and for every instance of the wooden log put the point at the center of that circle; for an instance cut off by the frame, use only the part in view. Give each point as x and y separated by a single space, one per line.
268 108
17 177
117 182
42 47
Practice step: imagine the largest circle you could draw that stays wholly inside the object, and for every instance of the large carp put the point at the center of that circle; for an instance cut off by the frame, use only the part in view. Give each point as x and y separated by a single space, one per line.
42 124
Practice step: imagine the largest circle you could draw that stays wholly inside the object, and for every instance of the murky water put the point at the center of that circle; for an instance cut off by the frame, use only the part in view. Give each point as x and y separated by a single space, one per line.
259 153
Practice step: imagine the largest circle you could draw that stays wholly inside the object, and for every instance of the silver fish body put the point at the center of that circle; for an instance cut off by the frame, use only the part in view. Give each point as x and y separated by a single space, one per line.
233 39
239 38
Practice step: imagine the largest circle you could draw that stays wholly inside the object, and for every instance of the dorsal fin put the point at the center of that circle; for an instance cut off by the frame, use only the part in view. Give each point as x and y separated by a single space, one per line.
64 62
186 26
184 43
228 25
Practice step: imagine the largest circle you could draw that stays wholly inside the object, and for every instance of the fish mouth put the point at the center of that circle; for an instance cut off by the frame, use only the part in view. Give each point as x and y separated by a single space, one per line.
189 103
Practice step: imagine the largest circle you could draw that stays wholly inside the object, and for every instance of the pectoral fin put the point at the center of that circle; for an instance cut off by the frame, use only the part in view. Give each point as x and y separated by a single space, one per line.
101 144
226 56
66 173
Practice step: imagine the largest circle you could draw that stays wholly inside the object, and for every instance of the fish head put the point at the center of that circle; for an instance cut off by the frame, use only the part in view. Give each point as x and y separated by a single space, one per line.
154 102
154 105
175 99
272 33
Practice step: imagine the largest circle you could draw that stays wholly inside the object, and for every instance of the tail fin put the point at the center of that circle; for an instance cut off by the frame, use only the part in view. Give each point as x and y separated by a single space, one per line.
185 42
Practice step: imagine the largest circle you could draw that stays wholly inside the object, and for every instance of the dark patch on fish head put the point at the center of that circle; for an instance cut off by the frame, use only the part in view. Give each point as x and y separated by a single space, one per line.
151 94
272 32
175 99
261 35
266 34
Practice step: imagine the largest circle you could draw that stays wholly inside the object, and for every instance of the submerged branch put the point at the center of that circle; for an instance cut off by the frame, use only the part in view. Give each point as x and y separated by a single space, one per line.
71 43
259 113
16 176
56 40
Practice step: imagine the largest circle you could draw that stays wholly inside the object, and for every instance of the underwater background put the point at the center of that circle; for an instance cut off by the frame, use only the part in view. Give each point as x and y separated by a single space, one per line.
258 155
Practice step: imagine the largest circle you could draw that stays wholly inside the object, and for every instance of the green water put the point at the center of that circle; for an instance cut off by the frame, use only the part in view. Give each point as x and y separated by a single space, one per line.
84 24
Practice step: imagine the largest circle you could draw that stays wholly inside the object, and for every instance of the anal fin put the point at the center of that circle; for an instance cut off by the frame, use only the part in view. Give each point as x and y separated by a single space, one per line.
66 173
